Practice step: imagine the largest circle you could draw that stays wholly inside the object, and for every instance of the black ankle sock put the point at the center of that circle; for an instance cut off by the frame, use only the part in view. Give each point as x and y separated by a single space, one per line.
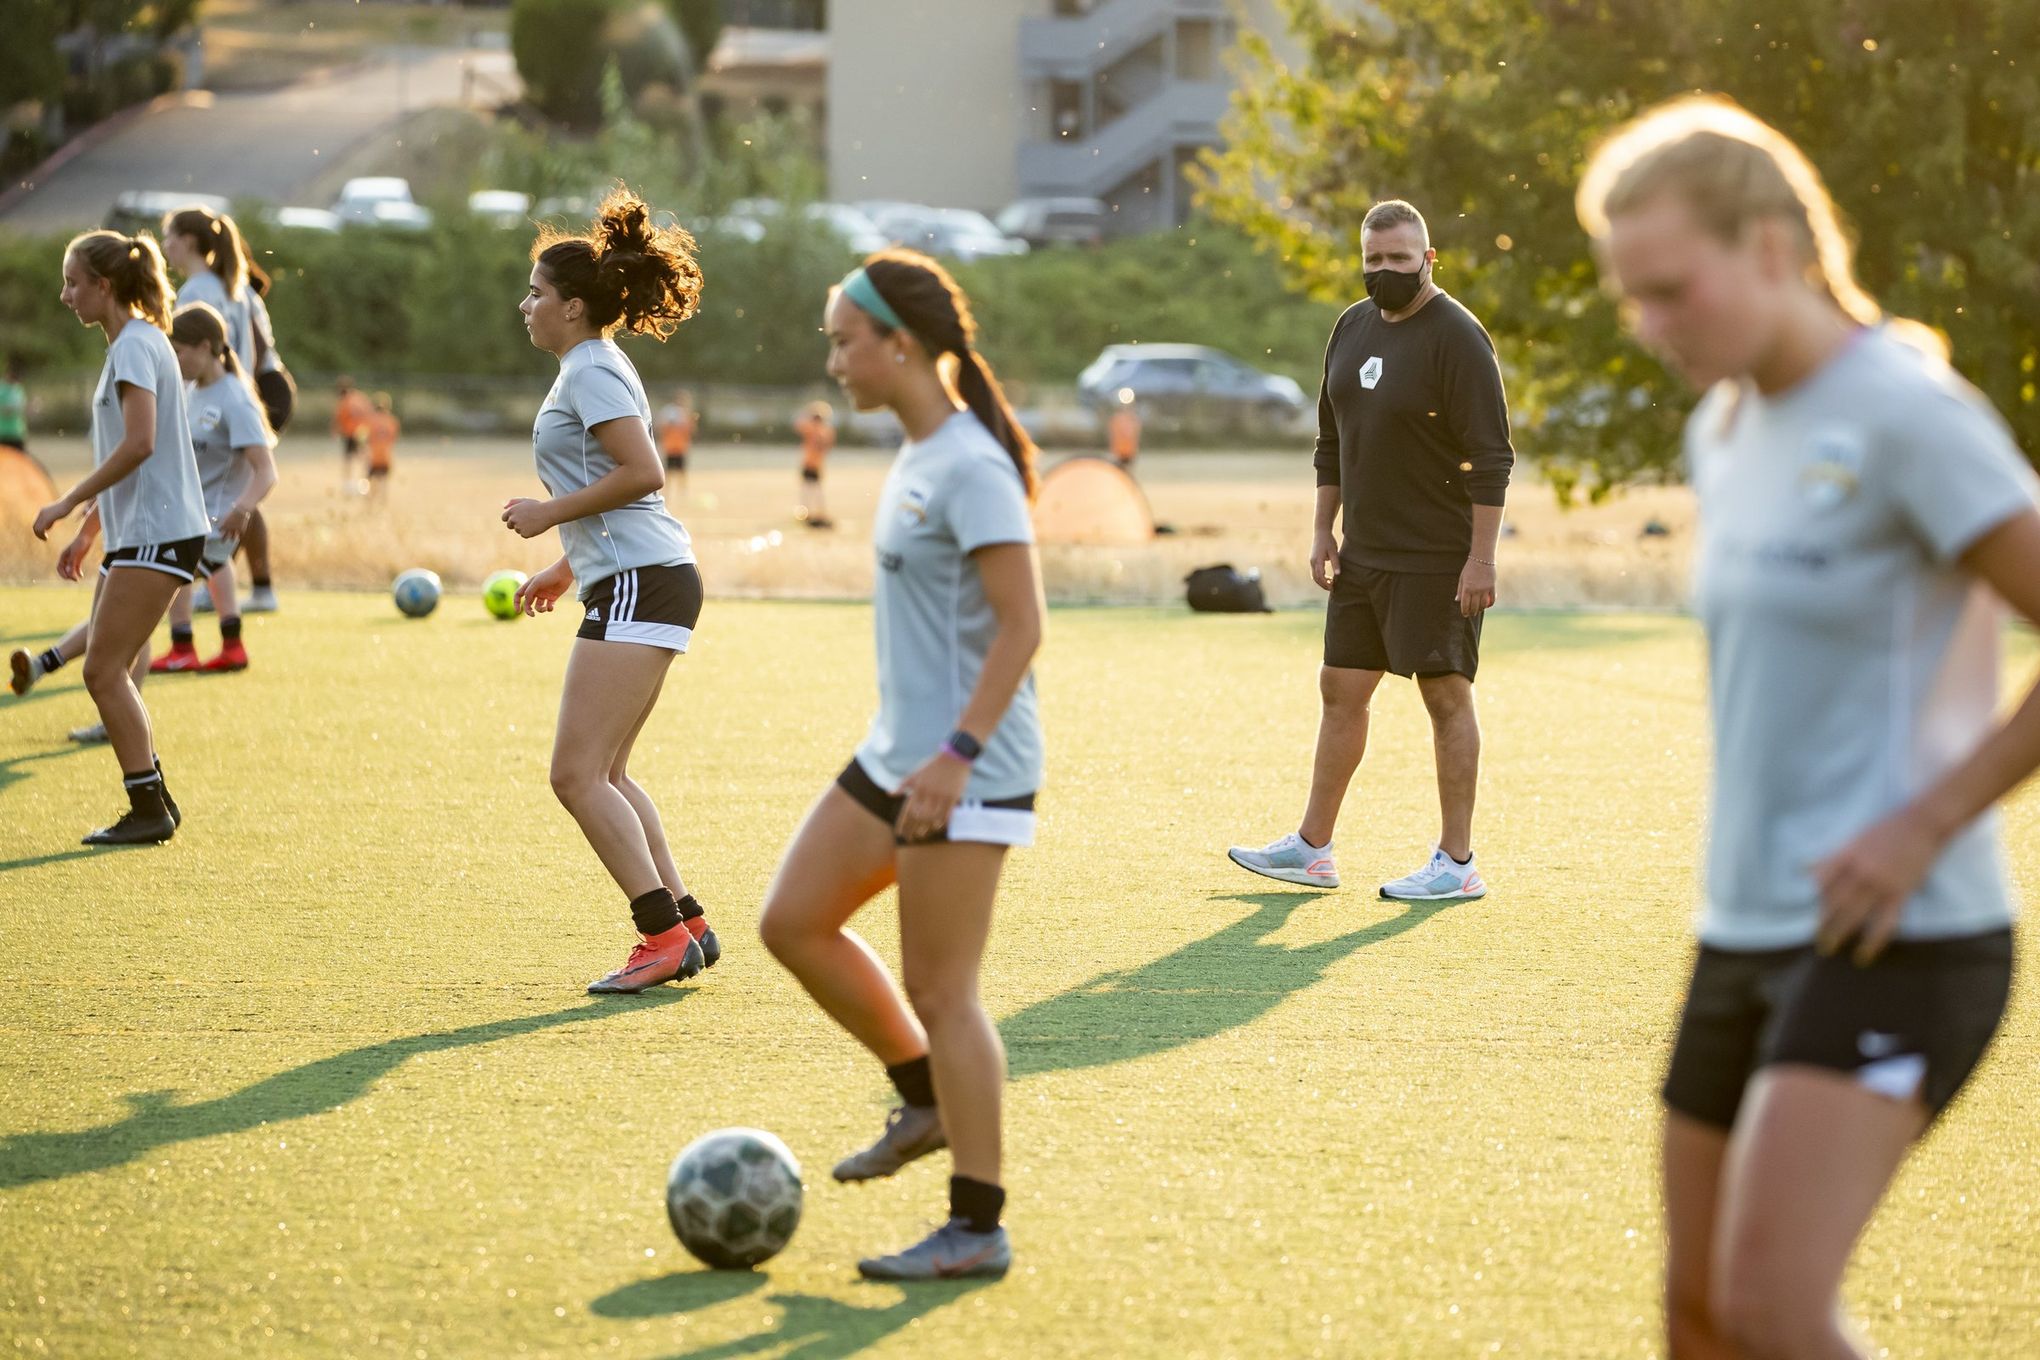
976 1203
689 908
145 793
655 912
52 660
261 583
1462 863
230 629
180 635
915 1081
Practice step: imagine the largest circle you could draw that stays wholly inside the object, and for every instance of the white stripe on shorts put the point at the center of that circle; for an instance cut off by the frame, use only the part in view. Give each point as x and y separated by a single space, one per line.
991 826
167 568
671 636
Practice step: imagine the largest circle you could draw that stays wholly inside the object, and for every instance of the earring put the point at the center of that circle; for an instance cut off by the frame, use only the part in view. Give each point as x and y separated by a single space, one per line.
900 357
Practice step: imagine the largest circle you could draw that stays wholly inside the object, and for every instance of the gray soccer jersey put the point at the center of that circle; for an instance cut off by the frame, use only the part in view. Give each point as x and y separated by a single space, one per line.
224 420
597 383
945 497
205 286
1851 662
160 501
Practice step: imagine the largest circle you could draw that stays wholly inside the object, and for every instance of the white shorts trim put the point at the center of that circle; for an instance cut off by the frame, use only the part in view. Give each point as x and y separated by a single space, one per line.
983 825
671 636
166 568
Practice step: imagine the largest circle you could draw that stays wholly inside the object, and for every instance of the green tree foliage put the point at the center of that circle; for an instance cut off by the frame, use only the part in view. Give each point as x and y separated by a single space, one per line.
701 23
1925 120
562 48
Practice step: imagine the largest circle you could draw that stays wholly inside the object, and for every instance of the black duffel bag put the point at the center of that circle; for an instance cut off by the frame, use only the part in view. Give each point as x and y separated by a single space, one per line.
1225 590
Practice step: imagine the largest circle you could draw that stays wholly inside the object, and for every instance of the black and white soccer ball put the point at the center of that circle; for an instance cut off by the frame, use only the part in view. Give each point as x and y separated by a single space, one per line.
734 1197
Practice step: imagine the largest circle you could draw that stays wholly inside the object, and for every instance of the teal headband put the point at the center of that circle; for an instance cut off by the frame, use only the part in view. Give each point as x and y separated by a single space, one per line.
859 288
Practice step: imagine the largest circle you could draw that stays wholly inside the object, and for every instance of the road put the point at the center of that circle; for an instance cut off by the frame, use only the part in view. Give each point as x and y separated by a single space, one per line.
261 144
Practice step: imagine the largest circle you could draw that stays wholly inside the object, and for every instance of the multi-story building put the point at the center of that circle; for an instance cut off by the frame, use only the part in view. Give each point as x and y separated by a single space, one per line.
974 103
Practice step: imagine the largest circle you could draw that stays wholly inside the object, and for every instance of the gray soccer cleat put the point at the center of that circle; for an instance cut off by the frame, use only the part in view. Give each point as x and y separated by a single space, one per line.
201 599
95 732
1292 859
911 1132
951 1252
261 600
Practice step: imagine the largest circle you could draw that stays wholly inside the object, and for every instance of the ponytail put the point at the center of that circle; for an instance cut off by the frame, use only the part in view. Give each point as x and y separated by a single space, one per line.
133 267
632 273
934 310
219 244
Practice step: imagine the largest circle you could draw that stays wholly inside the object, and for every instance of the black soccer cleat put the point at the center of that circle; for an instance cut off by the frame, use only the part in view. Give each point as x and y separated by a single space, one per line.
711 948
135 828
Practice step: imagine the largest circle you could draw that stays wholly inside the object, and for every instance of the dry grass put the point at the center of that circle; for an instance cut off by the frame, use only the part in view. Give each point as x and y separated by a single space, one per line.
1250 509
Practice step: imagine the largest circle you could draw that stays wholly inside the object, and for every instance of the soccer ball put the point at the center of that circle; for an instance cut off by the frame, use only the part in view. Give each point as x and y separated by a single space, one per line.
499 593
734 1197
416 592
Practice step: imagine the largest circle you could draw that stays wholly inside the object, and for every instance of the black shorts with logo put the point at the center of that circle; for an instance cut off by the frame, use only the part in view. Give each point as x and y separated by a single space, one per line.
1915 1022
179 559
1407 622
651 606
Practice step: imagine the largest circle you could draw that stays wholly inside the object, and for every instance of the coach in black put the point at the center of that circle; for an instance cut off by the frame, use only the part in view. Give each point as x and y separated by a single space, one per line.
1413 448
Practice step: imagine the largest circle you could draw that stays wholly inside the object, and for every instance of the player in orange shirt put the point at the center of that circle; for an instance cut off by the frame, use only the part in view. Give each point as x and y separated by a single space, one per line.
350 416
1122 430
380 430
816 425
678 421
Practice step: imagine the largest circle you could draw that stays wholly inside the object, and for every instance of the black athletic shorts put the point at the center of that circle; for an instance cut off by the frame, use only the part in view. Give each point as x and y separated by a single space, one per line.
1407 622
278 391
676 462
382 471
651 606
179 559
1914 1022
350 444
811 474
996 821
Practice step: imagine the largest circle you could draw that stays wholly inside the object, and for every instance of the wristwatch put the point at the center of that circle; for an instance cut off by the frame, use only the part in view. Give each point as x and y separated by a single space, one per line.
964 746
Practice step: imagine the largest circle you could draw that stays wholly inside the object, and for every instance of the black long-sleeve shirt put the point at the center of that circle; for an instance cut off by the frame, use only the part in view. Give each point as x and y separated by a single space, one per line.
1413 429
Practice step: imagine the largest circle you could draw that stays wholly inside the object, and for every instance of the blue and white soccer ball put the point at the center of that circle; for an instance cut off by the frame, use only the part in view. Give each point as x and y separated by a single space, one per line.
416 592
734 1197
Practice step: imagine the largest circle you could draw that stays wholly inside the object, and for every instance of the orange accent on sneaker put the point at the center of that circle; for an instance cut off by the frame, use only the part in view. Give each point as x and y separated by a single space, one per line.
697 926
653 959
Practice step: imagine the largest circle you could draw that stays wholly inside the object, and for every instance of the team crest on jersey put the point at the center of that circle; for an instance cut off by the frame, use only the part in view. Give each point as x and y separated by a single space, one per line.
1834 468
914 505
1370 372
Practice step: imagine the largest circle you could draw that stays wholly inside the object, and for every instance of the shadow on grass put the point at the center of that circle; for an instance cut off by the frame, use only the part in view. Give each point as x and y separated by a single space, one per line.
809 1328
1221 982
155 1120
11 772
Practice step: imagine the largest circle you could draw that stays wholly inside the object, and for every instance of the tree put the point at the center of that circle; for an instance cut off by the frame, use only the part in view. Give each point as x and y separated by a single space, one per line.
1482 112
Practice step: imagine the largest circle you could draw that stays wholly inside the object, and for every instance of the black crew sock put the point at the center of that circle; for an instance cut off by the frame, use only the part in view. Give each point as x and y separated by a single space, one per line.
230 628
180 635
976 1203
1462 863
655 912
689 908
52 660
260 583
915 1081
145 793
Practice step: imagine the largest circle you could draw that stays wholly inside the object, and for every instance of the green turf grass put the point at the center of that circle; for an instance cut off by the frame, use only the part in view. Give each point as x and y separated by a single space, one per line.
319 1079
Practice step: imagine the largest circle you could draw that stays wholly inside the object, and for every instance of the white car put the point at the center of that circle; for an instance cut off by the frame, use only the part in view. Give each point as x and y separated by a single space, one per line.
303 219
359 197
501 207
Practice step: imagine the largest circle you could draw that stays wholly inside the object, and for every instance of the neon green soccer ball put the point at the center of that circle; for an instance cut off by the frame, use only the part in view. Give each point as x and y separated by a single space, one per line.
499 593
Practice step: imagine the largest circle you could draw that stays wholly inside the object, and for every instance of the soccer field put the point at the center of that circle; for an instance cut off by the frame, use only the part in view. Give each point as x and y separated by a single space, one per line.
318 1078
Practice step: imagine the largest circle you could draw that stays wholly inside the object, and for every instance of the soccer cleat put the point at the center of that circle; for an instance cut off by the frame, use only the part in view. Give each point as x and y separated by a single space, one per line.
1291 859
654 959
1444 879
261 600
911 1132
182 656
89 734
233 657
711 947
201 599
27 670
951 1252
135 828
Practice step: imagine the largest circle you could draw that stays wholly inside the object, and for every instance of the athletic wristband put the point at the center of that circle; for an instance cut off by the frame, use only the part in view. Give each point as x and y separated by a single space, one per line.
962 746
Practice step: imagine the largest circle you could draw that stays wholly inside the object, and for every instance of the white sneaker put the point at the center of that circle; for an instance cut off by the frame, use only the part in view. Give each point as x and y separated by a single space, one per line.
201 599
1443 879
27 667
87 735
1291 859
261 600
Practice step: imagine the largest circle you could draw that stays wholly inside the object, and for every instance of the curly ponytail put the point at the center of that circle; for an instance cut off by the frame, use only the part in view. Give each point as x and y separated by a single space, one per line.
133 267
632 273
935 310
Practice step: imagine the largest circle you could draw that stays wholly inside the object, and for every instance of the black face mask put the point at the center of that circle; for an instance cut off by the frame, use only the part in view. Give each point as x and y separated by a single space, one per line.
1393 290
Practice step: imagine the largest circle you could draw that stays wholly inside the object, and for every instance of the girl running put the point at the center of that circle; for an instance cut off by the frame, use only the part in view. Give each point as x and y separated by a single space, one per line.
816 426
1860 504
635 563
145 489
231 438
945 780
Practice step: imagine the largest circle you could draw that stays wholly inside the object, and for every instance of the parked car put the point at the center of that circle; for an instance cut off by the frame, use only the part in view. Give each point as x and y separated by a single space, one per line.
302 219
502 207
956 233
144 209
359 198
1056 221
1192 387
751 217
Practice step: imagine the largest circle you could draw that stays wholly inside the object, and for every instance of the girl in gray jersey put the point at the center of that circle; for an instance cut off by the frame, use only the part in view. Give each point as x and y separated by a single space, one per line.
635 564
144 489
231 437
1860 504
945 781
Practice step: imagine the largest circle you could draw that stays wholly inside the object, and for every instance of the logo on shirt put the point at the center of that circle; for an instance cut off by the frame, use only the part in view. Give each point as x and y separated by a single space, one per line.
1370 372
1834 468
914 506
